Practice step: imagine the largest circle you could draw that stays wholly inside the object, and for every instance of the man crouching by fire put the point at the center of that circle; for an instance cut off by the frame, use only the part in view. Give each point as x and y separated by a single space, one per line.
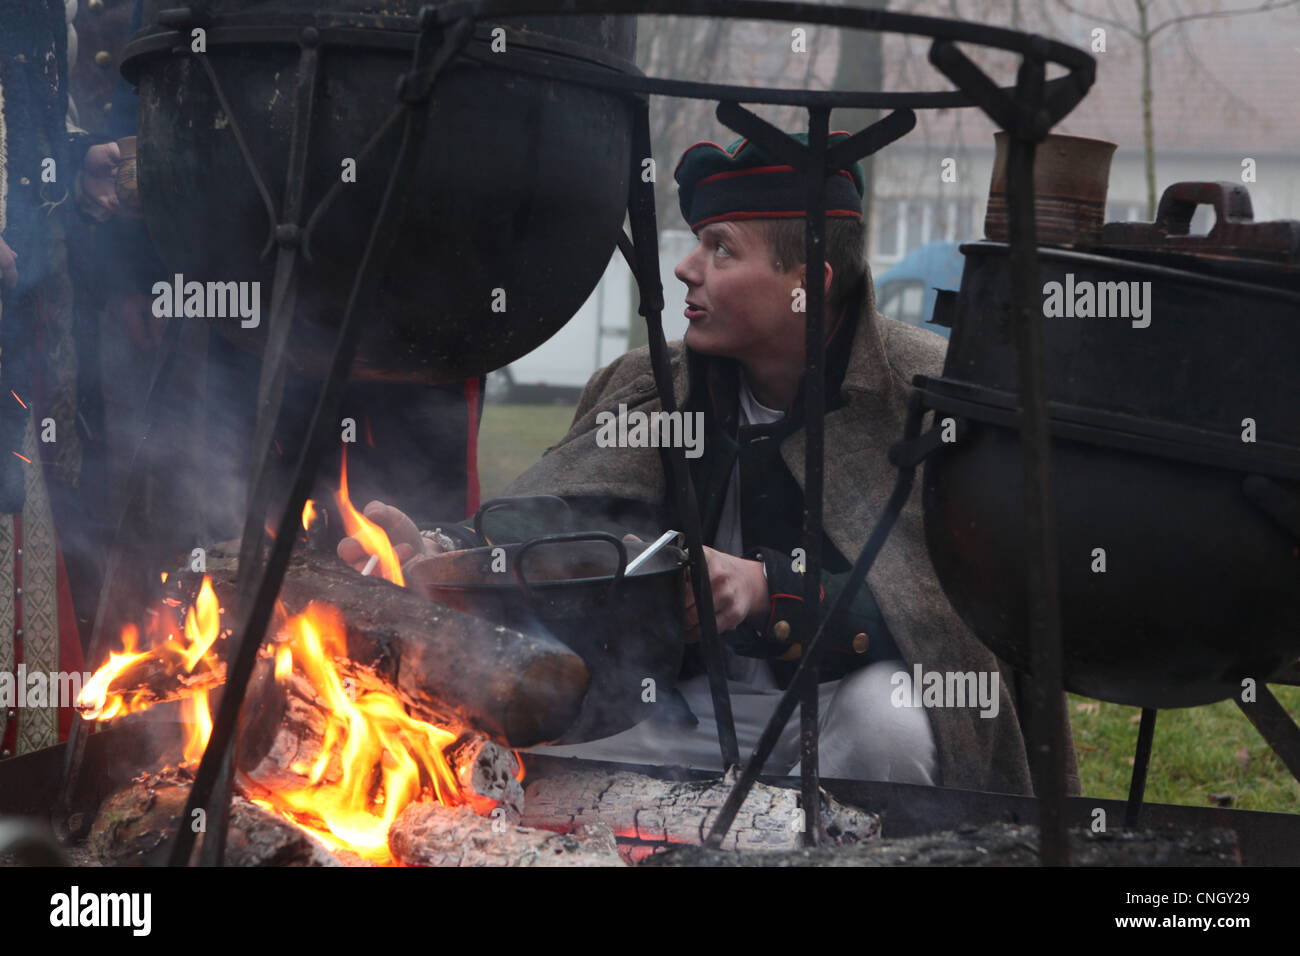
741 367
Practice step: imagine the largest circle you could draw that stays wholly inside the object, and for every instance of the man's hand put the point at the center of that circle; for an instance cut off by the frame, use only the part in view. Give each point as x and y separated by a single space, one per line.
8 265
739 594
402 534
97 183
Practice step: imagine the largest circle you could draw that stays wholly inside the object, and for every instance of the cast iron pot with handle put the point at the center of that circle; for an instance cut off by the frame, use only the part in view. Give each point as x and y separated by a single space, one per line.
1175 456
627 628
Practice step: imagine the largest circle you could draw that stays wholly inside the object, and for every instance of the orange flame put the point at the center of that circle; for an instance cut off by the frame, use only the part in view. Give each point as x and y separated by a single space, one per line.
202 625
99 701
368 737
372 537
374 758
94 700
308 514
198 719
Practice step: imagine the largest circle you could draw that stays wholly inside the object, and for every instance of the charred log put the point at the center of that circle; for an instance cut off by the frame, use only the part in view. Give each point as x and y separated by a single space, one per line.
656 813
135 827
488 775
429 834
283 733
282 737
150 681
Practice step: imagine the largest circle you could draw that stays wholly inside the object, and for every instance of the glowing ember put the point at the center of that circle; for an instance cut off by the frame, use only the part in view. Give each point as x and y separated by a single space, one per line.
372 537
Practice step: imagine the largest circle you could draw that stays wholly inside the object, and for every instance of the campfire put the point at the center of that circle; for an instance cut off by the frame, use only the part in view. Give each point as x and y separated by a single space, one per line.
358 759
381 729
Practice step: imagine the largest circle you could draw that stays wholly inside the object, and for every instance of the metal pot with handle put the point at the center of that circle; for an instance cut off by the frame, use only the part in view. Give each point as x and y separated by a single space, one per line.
575 585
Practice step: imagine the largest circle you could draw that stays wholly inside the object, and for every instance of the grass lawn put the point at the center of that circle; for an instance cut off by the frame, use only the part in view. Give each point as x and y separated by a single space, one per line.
1197 754
512 437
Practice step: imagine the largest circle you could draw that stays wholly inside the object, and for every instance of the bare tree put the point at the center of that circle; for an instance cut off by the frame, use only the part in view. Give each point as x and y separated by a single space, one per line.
678 48
1144 28
859 68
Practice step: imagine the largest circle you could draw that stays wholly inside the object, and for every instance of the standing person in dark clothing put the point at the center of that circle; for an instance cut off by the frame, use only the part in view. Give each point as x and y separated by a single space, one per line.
48 169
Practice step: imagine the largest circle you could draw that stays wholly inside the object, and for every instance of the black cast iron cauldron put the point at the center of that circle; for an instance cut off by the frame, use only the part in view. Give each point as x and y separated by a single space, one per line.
1201 585
520 195
627 628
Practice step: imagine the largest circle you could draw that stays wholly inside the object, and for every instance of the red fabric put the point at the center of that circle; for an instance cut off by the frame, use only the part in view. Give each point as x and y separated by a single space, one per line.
10 742
800 214
756 170
739 146
70 655
471 446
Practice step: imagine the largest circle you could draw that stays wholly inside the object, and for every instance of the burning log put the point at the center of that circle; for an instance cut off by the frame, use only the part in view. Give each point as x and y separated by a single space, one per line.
648 813
429 834
283 728
454 669
135 827
284 731
149 681
346 763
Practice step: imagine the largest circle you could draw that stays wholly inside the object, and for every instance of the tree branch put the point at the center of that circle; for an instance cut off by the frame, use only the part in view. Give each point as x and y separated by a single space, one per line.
1217 14
1122 27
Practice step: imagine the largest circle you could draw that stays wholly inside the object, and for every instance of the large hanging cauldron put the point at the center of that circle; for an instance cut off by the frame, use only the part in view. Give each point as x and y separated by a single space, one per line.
514 213
1178 575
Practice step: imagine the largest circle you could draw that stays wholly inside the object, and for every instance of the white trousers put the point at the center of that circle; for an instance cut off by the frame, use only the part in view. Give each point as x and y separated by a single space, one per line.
863 735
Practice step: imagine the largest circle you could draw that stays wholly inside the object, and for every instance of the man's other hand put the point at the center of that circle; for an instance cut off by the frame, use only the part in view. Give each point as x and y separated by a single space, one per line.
402 533
97 184
739 594
8 265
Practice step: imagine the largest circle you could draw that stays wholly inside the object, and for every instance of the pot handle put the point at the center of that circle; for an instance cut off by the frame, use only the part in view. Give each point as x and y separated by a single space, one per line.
493 504
1231 202
575 536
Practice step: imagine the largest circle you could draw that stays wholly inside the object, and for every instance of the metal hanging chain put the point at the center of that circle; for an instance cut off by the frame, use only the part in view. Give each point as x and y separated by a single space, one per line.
284 287
413 91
